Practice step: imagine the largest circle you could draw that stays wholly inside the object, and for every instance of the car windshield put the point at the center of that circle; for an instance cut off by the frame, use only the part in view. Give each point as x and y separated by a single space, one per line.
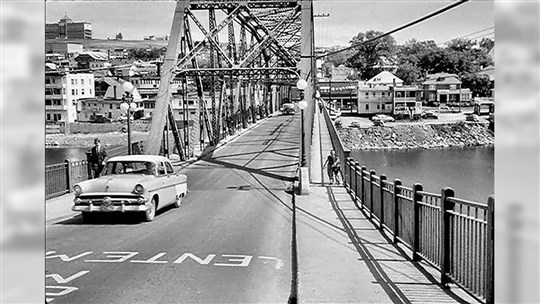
130 167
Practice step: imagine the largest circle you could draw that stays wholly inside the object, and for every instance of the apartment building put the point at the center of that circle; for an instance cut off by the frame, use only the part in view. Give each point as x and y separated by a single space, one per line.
63 92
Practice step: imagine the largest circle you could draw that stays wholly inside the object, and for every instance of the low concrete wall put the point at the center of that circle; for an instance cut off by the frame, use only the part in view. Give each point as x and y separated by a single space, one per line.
85 128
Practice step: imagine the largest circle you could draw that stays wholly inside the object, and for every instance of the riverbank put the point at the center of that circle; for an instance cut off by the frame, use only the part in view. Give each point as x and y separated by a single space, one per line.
416 136
87 140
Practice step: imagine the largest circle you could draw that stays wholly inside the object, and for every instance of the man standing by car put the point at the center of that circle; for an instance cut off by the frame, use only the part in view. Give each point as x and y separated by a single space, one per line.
97 158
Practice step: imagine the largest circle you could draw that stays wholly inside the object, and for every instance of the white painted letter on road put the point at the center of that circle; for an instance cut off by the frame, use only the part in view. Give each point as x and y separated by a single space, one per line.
195 258
243 259
60 280
64 257
118 257
279 262
152 260
64 291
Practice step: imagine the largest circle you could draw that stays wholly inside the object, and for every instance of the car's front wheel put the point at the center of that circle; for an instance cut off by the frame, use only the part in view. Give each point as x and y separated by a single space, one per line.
88 217
151 212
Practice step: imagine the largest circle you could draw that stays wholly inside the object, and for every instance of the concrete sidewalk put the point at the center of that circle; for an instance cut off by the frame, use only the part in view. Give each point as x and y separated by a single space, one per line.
344 258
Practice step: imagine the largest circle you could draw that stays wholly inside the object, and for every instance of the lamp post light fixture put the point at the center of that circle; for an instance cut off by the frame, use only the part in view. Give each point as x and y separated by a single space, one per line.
126 106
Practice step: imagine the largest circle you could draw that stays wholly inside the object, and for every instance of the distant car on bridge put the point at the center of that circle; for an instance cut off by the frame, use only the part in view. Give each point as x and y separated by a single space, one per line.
139 184
288 109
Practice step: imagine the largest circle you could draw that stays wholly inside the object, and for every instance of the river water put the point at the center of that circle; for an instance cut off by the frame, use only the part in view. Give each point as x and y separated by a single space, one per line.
58 155
469 171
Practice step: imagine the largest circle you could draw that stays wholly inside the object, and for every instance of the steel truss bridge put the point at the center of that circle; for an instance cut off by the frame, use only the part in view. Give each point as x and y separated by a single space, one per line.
254 51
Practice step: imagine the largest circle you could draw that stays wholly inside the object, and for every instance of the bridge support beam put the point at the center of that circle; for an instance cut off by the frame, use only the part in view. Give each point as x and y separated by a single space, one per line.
160 112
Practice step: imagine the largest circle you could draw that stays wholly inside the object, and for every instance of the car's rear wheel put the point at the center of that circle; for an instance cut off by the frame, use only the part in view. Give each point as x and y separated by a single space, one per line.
151 212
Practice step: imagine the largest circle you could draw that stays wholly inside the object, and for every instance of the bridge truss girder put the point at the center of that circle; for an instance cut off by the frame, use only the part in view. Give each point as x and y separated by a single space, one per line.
239 72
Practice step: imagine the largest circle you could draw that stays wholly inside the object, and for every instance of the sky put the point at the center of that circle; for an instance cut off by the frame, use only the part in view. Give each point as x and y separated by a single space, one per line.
137 19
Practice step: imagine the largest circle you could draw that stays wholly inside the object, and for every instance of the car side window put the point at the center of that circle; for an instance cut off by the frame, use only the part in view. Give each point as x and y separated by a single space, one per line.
169 168
161 169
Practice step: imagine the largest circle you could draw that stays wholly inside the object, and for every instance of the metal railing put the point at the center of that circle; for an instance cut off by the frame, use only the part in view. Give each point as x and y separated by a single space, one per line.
60 178
453 235
339 148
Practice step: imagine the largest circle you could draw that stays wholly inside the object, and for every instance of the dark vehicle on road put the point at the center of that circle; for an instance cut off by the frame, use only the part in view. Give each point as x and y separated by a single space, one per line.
288 109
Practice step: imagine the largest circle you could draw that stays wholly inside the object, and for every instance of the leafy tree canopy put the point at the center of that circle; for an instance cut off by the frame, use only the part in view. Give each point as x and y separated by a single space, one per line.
368 57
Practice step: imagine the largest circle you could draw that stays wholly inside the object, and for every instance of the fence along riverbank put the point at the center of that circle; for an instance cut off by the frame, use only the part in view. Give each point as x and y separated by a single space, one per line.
60 178
453 235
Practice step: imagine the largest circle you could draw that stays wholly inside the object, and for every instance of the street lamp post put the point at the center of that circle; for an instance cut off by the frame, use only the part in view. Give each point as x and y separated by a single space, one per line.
126 106
302 104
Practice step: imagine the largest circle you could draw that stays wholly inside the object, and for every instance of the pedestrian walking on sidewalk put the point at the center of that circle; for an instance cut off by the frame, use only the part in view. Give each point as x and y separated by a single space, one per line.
320 106
333 167
97 158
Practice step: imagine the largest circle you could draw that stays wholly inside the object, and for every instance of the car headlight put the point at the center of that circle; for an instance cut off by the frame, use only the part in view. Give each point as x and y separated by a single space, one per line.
77 189
139 189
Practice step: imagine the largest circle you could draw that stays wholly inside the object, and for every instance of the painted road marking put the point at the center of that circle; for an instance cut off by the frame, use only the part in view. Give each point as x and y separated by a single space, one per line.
121 256
63 290
243 259
152 260
183 257
221 260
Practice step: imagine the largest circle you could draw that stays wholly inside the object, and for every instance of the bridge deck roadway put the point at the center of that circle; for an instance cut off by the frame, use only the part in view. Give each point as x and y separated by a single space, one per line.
231 240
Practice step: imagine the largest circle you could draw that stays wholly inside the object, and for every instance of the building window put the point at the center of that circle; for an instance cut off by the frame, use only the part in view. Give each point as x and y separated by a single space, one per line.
110 106
76 92
118 106
431 96
378 107
383 106
452 87
72 81
110 115
432 87
82 91
90 92
367 107
47 80
48 116
373 94
95 104
82 82
73 92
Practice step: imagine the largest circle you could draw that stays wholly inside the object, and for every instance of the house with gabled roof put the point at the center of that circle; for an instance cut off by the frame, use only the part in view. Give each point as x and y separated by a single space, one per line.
384 78
442 88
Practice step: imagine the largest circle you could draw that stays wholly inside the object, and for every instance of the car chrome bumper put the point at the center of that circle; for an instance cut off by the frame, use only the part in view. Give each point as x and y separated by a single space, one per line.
125 205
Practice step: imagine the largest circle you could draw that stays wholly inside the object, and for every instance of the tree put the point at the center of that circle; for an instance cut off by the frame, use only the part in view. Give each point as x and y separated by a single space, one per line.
368 57
409 58
119 36
479 85
486 44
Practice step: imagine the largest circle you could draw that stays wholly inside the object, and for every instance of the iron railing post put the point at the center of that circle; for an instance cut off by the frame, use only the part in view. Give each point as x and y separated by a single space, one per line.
416 221
371 173
381 188
356 172
397 191
490 252
446 233
69 175
363 194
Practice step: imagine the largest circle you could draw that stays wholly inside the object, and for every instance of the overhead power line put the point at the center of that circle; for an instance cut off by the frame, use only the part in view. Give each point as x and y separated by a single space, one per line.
465 36
438 12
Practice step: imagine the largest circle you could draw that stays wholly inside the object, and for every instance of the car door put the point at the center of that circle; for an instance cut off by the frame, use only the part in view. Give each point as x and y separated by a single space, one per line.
167 192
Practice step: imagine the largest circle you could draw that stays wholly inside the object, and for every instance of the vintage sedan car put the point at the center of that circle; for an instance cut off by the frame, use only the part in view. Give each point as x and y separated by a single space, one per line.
383 118
140 184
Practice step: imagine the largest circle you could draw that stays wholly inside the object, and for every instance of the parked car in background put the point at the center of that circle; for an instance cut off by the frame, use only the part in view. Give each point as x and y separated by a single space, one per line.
139 184
430 115
383 118
472 117
288 109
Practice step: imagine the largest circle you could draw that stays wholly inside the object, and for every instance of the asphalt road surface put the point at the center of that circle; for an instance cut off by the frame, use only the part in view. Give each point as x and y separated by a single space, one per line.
229 242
